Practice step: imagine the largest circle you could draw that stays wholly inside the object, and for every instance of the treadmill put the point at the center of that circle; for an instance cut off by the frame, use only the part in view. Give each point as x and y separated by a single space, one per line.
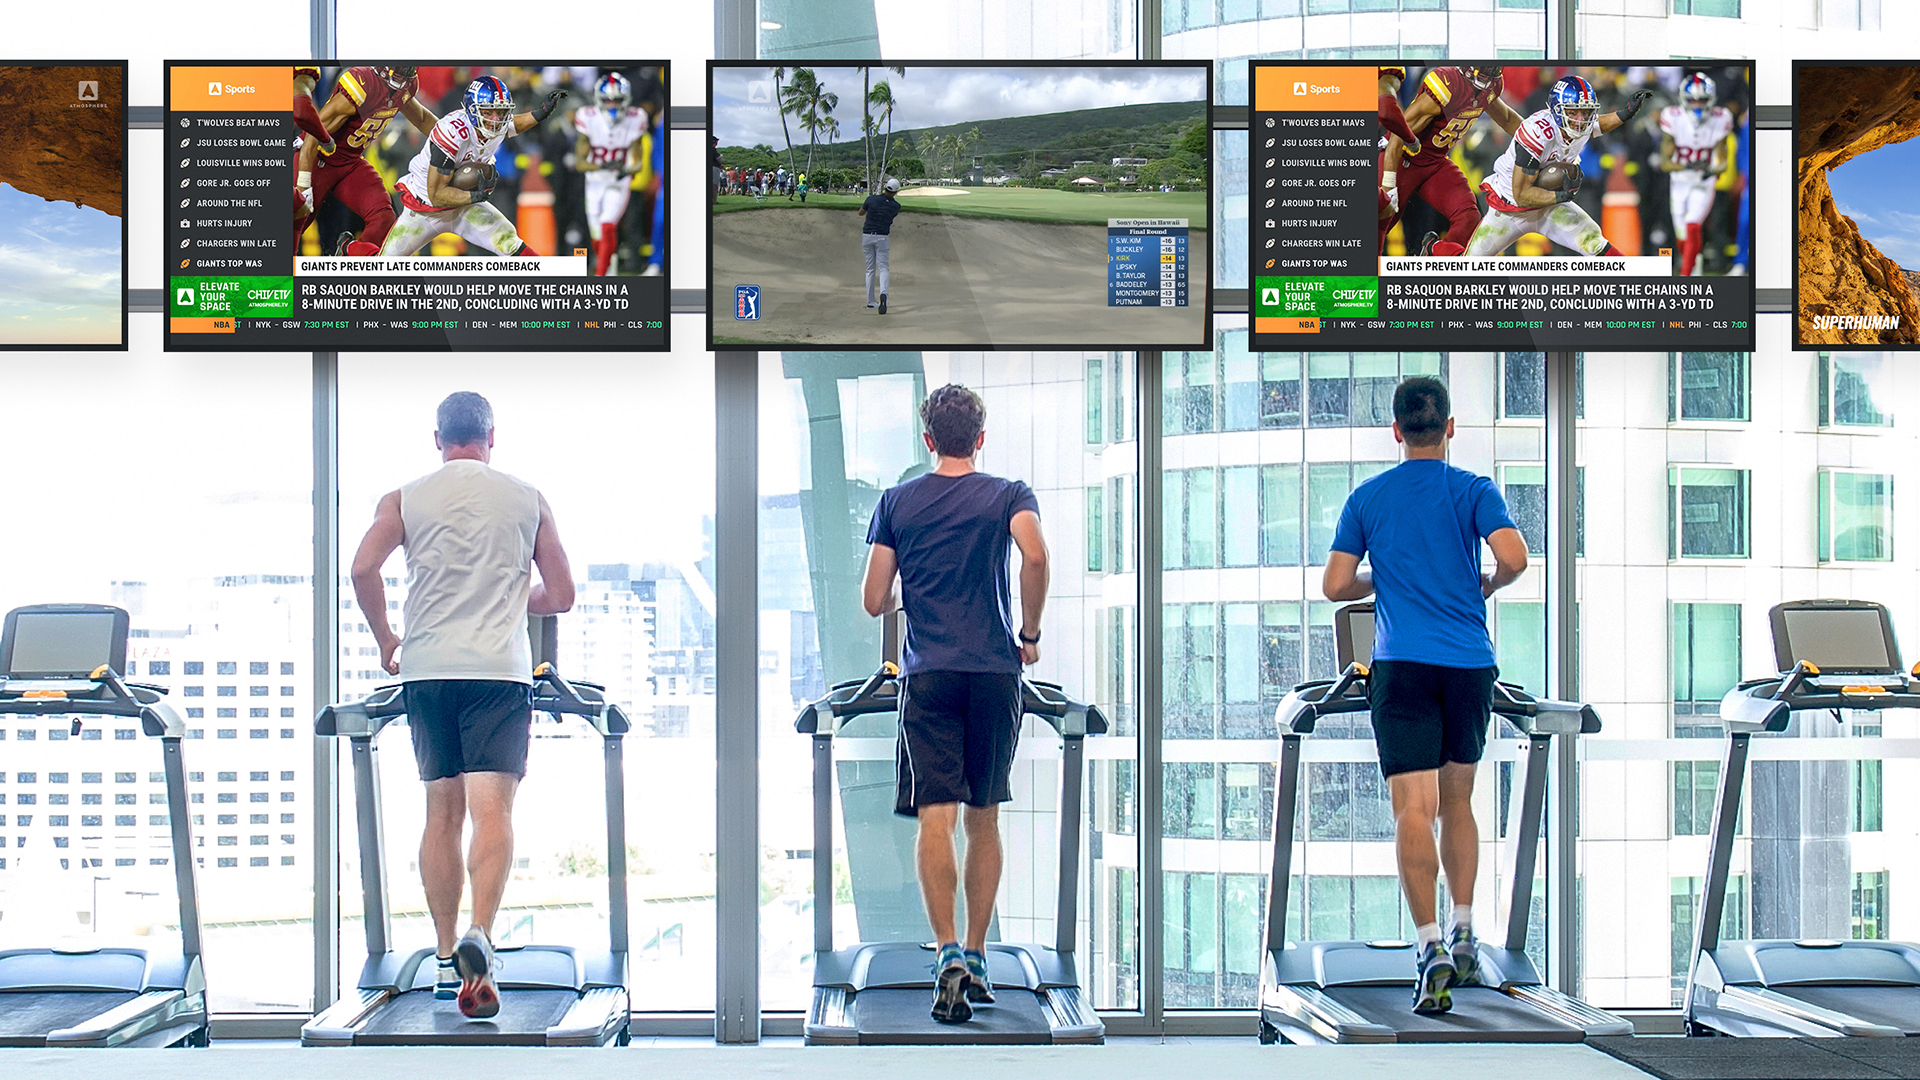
878 993
1361 991
65 660
1833 655
550 995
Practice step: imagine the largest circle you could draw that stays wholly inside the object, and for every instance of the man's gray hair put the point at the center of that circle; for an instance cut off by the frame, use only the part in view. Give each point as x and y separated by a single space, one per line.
464 419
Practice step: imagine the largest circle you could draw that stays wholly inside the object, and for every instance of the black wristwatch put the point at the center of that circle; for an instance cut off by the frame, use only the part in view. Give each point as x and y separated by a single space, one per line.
1034 640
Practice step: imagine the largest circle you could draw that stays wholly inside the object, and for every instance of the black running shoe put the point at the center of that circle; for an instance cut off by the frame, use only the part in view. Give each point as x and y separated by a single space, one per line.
883 303
340 245
1433 981
950 981
979 987
1465 949
1427 242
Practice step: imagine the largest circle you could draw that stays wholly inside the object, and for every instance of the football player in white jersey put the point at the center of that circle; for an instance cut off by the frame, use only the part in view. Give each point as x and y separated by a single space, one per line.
431 205
1693 137
605 150
1555 135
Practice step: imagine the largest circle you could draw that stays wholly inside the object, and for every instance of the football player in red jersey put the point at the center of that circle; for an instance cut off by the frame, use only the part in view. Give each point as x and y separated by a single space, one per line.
1393 122
307 115
364 101
1449 101
305 112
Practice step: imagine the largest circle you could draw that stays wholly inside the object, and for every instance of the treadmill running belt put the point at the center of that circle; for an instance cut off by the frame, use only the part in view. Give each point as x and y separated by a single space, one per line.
1676 1058
1480 1014
416 1018
27 1016
1897 1007
901 1018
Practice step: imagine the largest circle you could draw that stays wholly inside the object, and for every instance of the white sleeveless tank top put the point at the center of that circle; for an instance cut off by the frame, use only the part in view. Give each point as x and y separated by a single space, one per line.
469 547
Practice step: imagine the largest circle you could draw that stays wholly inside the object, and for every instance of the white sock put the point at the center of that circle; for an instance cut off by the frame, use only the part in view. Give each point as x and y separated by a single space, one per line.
1428 934
1463 915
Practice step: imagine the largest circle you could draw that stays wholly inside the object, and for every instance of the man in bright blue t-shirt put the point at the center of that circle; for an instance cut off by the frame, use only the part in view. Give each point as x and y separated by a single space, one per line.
946 535
1430 686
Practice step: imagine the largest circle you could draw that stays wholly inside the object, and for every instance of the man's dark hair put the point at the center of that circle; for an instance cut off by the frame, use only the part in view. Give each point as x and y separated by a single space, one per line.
1421 406
955 416
464 419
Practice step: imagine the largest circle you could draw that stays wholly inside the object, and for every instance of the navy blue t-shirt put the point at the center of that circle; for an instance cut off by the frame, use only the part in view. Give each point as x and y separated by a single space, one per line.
881 210
950 535
1421 524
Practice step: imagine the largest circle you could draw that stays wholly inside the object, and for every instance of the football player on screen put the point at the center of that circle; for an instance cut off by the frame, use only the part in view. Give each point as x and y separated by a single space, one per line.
1556 135
609 133
1449 101
432 205
1693 136
363 102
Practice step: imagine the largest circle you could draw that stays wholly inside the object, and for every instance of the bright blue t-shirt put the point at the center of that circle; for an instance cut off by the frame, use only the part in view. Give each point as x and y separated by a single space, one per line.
1421 524
950 535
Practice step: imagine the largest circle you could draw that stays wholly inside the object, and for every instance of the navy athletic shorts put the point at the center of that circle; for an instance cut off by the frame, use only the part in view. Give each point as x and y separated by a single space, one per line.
958 731
469 725
1425 715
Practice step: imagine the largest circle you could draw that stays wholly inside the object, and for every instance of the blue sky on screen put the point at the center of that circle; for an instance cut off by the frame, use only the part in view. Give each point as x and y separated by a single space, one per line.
1875 190
59 272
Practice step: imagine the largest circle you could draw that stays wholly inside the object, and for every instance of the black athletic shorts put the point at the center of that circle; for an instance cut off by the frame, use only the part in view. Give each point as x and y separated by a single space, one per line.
1425 715
469 725
958 730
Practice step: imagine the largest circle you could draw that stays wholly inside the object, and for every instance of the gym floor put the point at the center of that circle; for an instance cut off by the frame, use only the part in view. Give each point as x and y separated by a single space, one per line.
786 1059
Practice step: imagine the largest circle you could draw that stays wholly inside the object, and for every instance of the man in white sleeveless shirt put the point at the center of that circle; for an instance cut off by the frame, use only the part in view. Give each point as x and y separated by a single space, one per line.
471 535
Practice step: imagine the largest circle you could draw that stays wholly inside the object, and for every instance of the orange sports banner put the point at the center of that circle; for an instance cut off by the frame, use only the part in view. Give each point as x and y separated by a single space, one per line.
230 89
1274 324
1316 89
182 324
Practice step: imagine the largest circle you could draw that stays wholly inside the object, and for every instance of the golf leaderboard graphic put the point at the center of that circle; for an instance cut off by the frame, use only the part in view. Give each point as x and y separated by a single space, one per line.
1537 207
1147 262
399 238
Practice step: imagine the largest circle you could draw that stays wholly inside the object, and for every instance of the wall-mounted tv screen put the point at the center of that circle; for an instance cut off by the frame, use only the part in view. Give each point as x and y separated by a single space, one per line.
400 207
1856 238
63 229
960 205
1493 205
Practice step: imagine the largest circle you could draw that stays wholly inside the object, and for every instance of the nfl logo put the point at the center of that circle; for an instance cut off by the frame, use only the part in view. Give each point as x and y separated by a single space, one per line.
746 301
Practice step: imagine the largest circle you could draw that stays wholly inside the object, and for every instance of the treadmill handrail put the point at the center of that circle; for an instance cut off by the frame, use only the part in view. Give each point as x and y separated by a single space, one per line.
1766 705
1300 711
880 693
551 695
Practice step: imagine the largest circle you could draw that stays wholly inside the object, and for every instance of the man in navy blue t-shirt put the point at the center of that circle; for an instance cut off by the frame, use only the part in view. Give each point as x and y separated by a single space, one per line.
946 535
1430 686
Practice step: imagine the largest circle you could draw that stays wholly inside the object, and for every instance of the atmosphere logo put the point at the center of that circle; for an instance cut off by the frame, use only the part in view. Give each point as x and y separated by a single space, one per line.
1300 89
89 90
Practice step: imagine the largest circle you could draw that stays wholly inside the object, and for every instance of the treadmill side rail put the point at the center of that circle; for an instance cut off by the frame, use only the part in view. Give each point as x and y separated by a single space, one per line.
1071 1019
599 1018
1308 1015
830 1019
1759 1011
335 1026
1594 1022
148 1012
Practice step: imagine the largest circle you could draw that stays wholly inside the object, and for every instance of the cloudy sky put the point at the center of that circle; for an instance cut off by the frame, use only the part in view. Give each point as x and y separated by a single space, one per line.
1873 190
59 273
932 96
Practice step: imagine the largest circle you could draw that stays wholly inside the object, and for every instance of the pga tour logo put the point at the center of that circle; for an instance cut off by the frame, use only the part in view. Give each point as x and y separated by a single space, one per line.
746 302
